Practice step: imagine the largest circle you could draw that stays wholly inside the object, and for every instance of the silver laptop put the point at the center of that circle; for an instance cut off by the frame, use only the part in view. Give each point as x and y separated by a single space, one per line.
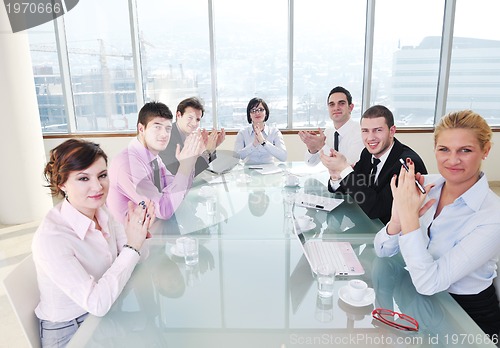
341 255
224 162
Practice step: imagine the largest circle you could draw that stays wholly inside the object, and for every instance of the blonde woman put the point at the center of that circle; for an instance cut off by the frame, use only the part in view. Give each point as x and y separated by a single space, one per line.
450 236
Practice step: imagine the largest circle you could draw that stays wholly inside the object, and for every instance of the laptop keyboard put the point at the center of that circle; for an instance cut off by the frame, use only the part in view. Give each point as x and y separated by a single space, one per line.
332 253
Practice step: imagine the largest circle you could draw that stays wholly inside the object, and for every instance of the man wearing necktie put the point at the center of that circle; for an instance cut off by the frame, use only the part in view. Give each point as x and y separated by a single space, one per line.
189 113
368 182
137 173
344 136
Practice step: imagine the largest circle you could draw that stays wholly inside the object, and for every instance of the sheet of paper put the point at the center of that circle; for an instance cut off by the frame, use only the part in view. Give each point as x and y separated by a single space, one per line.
307 170
266 168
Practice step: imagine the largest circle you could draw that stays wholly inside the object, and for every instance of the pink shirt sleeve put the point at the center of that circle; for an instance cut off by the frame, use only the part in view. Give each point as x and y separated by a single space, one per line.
136 182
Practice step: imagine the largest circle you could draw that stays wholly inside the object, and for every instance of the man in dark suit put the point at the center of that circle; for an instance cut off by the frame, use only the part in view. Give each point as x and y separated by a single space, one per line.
368 183
188 117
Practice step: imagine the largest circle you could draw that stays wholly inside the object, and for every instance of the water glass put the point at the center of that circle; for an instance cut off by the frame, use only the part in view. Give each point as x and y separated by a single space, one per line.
324 309
191 251
211 206
325 276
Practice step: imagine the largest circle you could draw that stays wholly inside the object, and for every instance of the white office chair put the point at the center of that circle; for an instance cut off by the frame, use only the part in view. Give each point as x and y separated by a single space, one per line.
22 290
496 281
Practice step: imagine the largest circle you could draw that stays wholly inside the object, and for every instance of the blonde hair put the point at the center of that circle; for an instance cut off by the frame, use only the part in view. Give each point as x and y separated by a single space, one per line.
466 119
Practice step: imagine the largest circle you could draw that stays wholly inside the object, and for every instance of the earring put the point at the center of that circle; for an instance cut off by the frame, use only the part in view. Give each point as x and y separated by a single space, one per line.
485 157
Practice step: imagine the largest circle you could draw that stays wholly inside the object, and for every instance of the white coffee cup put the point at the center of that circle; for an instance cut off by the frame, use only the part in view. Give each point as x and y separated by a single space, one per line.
357 289
304 221
291 180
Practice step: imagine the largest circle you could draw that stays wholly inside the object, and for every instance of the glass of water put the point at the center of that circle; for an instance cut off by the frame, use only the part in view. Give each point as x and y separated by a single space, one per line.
191 251
325 276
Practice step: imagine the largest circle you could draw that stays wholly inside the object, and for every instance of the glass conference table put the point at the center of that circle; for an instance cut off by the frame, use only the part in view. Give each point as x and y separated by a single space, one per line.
253 287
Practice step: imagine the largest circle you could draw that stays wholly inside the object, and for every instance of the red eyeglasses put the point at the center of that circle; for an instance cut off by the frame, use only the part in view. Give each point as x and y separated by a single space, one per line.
391 318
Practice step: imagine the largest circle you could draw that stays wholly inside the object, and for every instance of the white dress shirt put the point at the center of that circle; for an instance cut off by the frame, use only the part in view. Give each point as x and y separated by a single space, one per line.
79 268
461 252
350 143
335 184
274 146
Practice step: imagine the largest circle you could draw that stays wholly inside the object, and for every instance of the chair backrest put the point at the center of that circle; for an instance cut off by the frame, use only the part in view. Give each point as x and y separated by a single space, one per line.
22 290
496 281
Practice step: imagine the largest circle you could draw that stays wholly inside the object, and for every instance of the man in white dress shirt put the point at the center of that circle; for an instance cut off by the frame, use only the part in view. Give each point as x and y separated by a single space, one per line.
344 137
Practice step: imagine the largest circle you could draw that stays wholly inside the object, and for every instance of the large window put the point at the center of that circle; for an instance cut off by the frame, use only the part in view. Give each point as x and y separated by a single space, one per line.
475 63
48 84
406 53
101 65
114 55
328 52
175 52
251 56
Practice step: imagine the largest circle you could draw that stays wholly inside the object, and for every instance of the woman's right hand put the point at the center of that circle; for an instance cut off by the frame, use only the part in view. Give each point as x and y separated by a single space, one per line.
394 225
139 220
408 202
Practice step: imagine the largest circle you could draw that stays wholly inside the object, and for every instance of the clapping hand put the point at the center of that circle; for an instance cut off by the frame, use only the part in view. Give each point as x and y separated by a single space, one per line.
313 141
193 147
213 139
408 204
335 162
259 138
139 220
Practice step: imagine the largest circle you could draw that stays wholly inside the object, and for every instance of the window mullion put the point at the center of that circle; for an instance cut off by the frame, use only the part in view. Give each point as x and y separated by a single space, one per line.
136 53
445 59
63 58
368 59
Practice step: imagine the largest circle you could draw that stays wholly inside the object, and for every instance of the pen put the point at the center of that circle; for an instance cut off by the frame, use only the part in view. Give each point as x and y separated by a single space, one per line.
420 187
313 205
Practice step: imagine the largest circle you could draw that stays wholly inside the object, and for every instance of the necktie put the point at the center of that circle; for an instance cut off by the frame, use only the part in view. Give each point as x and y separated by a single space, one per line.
156 173
336 141
373 172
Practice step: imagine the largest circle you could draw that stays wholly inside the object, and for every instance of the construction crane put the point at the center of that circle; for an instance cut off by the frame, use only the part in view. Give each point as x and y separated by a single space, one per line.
107 90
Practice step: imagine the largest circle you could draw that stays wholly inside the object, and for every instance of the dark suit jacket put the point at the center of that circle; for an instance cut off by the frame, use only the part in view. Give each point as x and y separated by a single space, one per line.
376 200
168 155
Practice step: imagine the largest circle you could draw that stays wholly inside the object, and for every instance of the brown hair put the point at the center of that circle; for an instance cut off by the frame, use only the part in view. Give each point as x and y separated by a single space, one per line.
193 102
377 111
151 110
465 119
73 154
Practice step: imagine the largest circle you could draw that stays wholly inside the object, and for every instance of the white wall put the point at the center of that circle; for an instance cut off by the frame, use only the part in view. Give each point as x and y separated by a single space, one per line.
422 143
23 197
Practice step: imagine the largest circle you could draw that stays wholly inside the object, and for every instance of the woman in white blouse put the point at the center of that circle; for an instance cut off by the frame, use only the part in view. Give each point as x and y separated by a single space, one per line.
450 236
83 257
259 143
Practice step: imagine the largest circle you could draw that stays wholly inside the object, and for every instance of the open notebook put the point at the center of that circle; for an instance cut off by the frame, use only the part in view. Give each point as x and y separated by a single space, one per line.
223 163
338 254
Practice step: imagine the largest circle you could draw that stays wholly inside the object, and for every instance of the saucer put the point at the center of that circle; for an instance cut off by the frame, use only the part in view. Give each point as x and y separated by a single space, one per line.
309 226
176 252
243 180
365 301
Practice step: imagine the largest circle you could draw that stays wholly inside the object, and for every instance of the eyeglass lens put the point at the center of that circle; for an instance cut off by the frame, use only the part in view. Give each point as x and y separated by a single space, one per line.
394 319
259 110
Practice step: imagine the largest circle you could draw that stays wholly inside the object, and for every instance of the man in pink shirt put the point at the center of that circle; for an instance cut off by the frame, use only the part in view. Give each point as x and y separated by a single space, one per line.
138 173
